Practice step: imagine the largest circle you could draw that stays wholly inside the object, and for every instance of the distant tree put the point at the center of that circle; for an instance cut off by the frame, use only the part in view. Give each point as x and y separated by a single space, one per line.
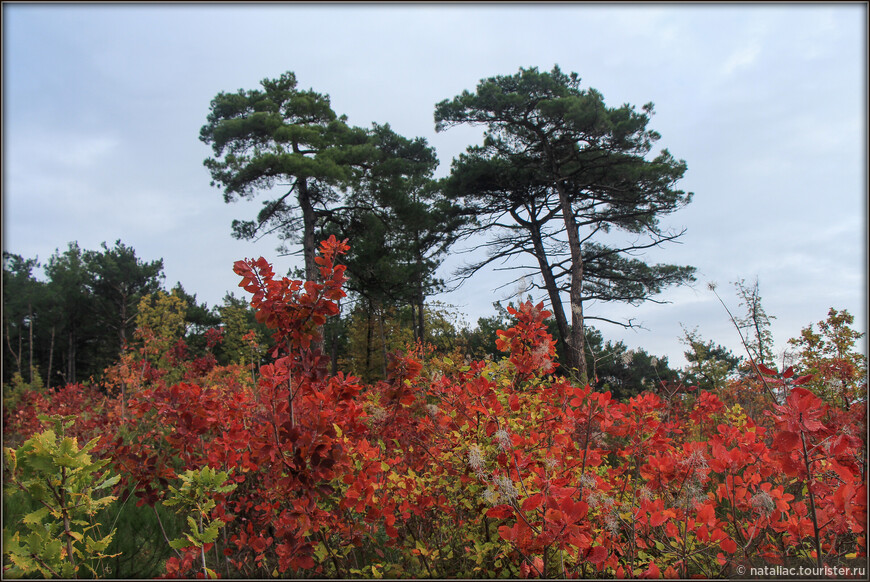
22 293
281 135
72 314
372 335
160 324
709 363
237 319
480 340
756 323
118 280
625 372
557 170
839 369
400 225
198 319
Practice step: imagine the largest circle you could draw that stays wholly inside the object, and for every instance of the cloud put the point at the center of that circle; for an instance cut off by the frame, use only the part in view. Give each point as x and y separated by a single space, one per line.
743 57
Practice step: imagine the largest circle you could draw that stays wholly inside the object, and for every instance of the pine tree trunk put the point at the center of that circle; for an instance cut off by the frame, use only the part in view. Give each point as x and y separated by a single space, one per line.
309 245
421 315
30 340
122 332
552 288
50 359
421 298
576 347
333 348
71 361
12 351
383 343
369 333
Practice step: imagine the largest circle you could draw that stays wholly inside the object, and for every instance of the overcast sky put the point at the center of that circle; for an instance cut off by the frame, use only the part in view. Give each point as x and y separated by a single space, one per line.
102 107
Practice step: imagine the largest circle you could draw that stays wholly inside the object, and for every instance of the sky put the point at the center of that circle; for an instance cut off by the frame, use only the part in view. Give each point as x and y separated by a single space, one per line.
767 104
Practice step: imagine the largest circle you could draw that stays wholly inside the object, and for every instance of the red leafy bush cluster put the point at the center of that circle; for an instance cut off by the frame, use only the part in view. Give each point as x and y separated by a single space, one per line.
494 469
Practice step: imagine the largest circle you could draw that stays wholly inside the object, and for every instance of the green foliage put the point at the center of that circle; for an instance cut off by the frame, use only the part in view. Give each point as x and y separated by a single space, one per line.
118 279
160 322
22 294
709 364
839 369
13 392
196 497
480 341
62 479
756 322
558 169
238 321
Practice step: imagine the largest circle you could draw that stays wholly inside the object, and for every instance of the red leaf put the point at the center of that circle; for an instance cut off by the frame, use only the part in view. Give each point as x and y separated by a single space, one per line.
574 512
652 571
597 555
789 372
509 533
786 441
706 515
657 518
764 369
533 502
728 545
500 511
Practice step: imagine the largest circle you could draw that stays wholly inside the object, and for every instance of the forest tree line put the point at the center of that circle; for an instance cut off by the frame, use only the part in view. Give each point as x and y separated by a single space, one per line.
72 324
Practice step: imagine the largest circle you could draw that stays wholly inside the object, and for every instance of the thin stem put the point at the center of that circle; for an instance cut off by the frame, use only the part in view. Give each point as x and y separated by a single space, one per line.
812 502
746 347
163 531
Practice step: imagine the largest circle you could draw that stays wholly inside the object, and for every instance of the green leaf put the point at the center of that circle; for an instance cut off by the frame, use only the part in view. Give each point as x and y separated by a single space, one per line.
96 546
36 516
12 459
180 543
211 532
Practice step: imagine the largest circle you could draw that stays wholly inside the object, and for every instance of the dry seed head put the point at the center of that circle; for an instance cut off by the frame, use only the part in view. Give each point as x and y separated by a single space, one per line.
491 497
475 458
645 493
763 503
503 438
506 487
587 481
377 415
611 523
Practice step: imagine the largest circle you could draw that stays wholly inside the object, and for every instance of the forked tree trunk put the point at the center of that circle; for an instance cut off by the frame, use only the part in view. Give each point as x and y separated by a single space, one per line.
552 289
